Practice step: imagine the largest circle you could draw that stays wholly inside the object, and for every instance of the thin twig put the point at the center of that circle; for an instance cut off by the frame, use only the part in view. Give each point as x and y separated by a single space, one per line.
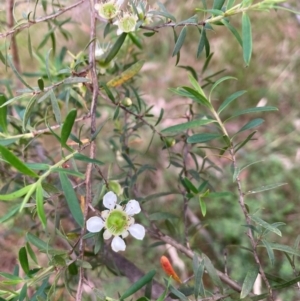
39 20
88 177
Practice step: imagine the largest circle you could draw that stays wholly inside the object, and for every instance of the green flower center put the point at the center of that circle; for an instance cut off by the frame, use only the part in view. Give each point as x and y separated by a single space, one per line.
108 10
116 222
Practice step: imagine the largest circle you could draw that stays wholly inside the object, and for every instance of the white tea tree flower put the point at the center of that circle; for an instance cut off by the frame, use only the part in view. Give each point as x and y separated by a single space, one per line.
108 10
100 52
117 221
126 23
142 9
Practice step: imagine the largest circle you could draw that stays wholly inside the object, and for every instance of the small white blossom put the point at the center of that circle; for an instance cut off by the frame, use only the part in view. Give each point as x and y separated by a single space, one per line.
108 10
126 23
100 52
117 221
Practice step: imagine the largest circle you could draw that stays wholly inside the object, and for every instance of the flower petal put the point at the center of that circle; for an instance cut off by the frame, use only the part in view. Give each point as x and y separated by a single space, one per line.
137 231
94 224
107 234
118 244
133 207
109 200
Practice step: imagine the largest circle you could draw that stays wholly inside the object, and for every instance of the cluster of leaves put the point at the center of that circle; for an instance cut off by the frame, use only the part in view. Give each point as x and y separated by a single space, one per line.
57 102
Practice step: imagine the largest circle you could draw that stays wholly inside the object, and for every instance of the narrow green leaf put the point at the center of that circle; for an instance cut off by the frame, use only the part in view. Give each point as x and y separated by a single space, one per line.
269 251
264 224
40 244
67 127
193 94
45 96
252 110
247 38
17 74
287 283
193 80
218 82
55 107
16 162
230 99
230 4
284 248
76 80
233 31
203 138
161 114
202 41
47 65
179 41
189 185
265 188
71 199
3 113
187 125
23 293
115 48
40 205
212 272
28 111
29 44
202 205
16 194
2 58
218 4
84 158
10 276
240 145
177 293
138 284
251 124
108 92
31 253
199 287
249 280
24 260
9 214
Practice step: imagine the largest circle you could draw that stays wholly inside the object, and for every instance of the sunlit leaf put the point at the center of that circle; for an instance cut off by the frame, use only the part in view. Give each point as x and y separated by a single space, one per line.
39 198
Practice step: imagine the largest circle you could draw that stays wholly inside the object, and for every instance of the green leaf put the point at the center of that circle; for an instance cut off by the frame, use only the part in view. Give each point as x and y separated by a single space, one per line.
161 216
218 82
233 31
9 214
203 42
230 4
247 38
284 248
253 110
55 107
16 194
189 185
40 244
203 138
251 124
249 280
67 127
31 253
265 225
199 288
192 94
24 260
230 99
265 188
71 199
218 4
269 251
179 41
187 125
212 272
240 145
28 111
177 293
16 162
40 205
23 293
84 158
202 205
115 48
3 113
15 71
138 284
108 92
287 283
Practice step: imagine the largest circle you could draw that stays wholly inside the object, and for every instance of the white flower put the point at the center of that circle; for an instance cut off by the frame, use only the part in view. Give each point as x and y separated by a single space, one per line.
117 221
126 23
108 10
100 52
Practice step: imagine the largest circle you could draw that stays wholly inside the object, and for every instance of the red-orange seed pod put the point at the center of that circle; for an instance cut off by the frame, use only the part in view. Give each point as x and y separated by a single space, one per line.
168 269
